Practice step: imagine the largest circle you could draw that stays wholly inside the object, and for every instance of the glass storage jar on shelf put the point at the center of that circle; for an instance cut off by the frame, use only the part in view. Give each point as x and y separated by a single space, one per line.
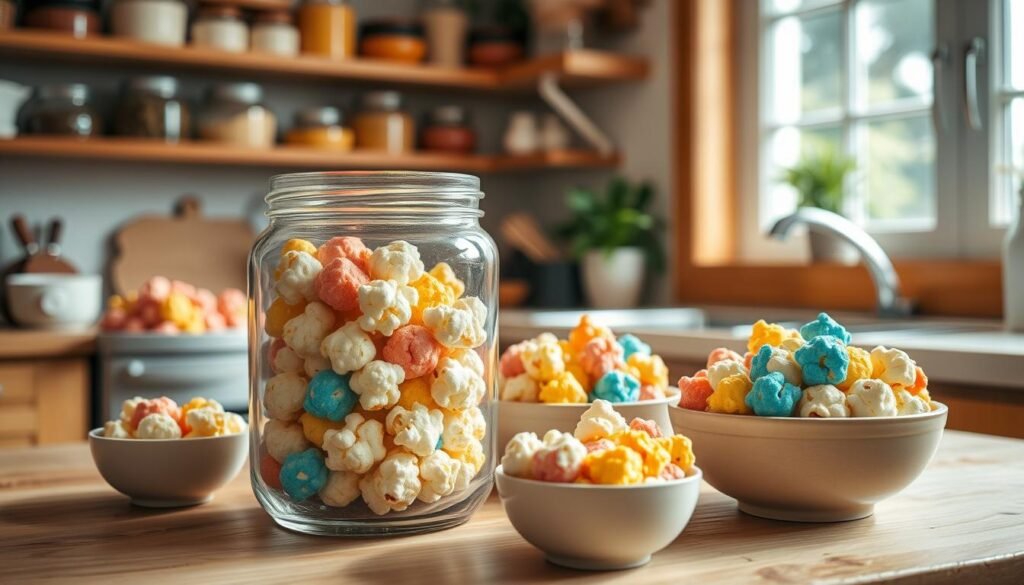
373 338
382 125
274 33
62 109
327 28
221 28
152 108
233 114
321 127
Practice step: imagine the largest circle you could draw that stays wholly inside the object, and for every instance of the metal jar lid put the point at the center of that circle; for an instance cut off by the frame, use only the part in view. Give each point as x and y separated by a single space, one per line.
77 92
163 86
386 100
246 93
448 115
319 116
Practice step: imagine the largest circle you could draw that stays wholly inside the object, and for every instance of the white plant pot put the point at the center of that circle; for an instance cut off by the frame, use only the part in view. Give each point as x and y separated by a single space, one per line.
615 280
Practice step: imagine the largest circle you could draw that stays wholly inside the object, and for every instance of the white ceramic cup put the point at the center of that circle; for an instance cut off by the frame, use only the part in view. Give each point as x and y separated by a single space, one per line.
55 301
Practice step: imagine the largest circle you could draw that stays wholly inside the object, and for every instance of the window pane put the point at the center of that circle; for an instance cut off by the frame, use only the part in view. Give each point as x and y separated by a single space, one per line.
899 172
788 146
806 59
1014 57
894 41
1008 182
785 6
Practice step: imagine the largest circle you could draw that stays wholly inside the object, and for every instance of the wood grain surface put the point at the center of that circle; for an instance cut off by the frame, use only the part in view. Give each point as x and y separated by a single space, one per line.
962 521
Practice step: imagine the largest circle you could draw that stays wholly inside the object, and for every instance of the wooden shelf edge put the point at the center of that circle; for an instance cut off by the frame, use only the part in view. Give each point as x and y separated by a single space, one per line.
252 4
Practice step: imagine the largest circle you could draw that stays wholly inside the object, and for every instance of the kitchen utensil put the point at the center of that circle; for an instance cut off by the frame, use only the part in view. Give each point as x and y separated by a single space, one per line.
522 232
54 301
47 259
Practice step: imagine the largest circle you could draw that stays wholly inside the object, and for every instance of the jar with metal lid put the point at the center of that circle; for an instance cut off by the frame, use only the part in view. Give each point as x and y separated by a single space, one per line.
321 127
233 114
151 108
60 110
448 130
274 33
222 28
161 22
373 336
381 124
327 28
79 18
393 39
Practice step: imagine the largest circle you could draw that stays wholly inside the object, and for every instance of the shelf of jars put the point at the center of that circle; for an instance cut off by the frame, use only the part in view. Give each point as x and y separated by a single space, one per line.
578 68
293 157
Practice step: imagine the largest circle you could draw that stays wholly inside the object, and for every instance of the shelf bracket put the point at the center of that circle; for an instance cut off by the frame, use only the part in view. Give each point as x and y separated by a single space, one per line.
553 95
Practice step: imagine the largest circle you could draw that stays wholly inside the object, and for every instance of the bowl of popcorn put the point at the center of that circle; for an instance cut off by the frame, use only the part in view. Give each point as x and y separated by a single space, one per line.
170 307
548 383
606 496
807 427
162 455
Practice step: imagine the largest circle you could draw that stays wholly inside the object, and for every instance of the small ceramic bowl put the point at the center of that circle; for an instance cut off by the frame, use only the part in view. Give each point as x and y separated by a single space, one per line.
169 473
55 301
810 469
538 417
598 527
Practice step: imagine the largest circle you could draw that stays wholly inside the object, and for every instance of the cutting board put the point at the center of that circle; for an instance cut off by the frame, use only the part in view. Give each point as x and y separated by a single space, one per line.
207 252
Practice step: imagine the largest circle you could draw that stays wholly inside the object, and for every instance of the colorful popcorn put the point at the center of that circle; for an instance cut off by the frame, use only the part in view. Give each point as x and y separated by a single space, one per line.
171 307
162 418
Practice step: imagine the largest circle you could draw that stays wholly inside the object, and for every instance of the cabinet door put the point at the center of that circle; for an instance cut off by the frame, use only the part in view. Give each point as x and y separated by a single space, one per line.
43 402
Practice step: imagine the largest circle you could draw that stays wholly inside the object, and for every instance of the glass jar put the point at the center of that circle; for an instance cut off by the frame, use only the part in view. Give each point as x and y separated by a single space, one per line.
79 18
221 28
382 125
495 46
234 115
161 22
60 110
445 24
328 28
374 318
393 39
321 127
151 108
7 11
274 33
448 130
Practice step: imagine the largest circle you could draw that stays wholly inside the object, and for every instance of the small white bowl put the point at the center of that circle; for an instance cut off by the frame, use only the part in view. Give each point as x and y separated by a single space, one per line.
55 301
598 527
810 469
169 473
539 417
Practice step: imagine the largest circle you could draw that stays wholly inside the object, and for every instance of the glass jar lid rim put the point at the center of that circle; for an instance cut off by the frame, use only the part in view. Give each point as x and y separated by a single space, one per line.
359 183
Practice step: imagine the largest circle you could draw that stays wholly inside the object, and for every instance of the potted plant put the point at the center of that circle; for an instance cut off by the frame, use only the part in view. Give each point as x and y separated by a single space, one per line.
819 181
615 238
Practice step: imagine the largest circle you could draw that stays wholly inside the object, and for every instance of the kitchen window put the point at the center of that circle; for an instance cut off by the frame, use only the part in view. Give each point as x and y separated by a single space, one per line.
887 83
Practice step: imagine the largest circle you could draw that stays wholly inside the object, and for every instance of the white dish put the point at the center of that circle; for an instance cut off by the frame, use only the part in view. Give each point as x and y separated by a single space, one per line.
598 527
55 301
810 469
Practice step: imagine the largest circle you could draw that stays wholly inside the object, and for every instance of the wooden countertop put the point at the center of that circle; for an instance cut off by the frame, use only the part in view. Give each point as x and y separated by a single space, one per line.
961 522
41 343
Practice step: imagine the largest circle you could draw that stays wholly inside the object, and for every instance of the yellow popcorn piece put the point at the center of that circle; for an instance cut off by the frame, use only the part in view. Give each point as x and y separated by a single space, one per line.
680 449
431 293
444 273
859 368
543 361
586 330
573 366
415 391
649 369
298 245
278 313
655 457
314 427
178 309
473 456
197 403
730 394
117 302
772 334
615 466
562 388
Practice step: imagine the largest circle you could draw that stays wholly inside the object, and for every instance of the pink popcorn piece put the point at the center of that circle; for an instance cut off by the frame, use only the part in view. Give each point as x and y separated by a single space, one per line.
651 392
148 312
648 426
348 247
232 303
672 471
413 348
511 364
695 390
180 286
134 325
162 405
338 284
114 319
723 353
546 467
156 288
748 360
215 322
206 300
598 445
166 328
276 346
600 356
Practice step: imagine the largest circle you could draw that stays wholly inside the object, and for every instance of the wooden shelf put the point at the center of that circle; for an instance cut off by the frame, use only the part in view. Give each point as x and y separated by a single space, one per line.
575 69
251 4
291 157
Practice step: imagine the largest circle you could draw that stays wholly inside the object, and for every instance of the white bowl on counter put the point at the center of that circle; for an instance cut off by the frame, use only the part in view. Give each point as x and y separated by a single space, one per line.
55 301
598 527
810 469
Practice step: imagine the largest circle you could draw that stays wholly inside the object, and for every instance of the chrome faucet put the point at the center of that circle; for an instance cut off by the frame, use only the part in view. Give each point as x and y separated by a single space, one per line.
887 282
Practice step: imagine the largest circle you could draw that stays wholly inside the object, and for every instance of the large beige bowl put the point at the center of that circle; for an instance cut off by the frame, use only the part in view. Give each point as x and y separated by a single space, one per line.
598 527
538 417
169 473
810 469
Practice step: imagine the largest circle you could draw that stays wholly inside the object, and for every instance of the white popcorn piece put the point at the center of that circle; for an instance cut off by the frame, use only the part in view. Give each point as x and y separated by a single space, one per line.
462 427
398 261
281 439
723 369
438 475
385 305
377 384
599 421
871 398
823 401
892 366
469 358
456 386
284 396
569 451
341 489
394 485
791 344
296 275
521 388
315 364
907 403
209 421
460 325
158 426
305 332
357 447
286 360
781 361
471 461
418 430
128 409
546 337
518 458
115 429
349 348
543 361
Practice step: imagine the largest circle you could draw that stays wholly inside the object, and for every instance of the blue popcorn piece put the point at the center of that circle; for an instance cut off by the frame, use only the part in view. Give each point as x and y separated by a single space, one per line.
823 360
759 364
825 325
616 387
303 474
772 395
328 395
631 344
